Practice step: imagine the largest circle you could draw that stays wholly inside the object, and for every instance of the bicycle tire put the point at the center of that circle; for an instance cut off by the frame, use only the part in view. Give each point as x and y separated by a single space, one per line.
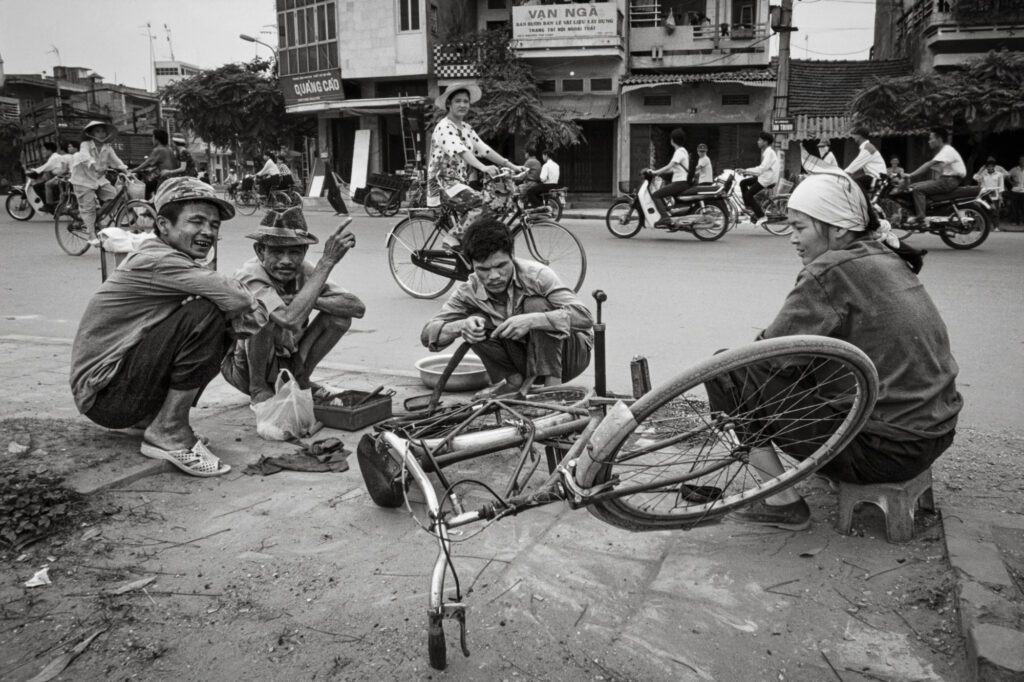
72 237
980 227
247 202
437 649
554 245
776 210
622 220
375 201
690 487
136 215
897 216
19 208
721 226
555 208
408 236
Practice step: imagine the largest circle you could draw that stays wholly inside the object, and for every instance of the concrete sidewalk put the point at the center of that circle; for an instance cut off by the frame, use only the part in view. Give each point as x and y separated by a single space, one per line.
721 602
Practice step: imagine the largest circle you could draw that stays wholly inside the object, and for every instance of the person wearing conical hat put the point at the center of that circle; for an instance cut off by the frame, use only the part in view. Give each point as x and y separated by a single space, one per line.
89 168
154 334
291 288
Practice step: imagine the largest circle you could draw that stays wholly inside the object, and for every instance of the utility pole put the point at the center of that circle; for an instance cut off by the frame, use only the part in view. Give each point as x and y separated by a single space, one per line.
57 104
781 124
170 46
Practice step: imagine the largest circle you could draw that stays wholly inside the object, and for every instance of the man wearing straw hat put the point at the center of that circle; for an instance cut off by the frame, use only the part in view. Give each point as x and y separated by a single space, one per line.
155 333
854 288
89 168
291 288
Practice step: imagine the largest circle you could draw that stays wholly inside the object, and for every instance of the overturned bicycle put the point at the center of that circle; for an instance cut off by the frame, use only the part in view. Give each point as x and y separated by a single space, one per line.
671 458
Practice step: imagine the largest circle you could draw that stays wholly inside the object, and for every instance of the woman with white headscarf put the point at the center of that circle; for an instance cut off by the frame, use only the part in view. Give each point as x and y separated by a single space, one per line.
855 288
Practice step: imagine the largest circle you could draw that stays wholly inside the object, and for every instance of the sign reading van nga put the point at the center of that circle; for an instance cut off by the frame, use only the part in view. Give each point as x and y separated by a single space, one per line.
307 88
564 21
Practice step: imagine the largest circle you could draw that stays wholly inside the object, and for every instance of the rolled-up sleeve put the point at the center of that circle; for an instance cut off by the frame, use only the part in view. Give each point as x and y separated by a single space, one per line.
458 307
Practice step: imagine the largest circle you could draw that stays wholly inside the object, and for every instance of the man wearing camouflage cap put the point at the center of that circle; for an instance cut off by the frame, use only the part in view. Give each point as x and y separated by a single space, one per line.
291 288
155 333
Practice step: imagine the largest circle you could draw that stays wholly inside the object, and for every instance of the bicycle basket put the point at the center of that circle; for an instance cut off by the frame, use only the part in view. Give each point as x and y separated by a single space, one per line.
136 189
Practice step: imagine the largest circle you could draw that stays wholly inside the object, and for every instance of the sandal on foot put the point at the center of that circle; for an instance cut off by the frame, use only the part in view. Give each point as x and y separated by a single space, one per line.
197 461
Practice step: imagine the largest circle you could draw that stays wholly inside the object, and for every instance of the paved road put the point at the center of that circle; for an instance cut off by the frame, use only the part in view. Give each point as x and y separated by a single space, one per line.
671 298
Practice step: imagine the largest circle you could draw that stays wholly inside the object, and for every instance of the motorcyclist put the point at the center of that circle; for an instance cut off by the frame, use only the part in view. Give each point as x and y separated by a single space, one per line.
679 165
950 166
763 176
160 162
42 175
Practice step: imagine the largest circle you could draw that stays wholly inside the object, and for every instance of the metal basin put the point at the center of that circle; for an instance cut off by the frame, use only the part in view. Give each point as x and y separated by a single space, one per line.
470 375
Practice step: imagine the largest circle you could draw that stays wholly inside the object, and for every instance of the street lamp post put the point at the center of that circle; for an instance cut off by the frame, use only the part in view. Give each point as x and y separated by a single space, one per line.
249 39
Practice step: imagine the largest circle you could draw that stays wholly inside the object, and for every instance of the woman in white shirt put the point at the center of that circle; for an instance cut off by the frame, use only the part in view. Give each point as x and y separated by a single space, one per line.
679 165
704 172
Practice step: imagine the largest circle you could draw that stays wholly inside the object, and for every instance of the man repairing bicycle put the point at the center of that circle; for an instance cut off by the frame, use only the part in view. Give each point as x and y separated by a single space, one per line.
854 288
520 319
454 149
762 177
89 168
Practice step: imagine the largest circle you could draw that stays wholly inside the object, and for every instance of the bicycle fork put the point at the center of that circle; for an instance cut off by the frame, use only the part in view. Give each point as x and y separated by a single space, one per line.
438 609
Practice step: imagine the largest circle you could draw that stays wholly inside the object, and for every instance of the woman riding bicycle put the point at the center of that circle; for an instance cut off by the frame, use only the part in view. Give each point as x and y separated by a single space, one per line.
89 171
454 149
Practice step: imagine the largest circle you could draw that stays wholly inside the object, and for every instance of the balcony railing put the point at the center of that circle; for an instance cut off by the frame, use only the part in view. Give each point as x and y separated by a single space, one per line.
926 13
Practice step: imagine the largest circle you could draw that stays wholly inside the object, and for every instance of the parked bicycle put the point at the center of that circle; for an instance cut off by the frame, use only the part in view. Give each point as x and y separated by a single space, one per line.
664 461
424 268
125 210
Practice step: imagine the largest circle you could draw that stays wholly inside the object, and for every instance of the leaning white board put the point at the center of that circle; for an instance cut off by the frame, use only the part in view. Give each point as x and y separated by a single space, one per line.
360 159
316 182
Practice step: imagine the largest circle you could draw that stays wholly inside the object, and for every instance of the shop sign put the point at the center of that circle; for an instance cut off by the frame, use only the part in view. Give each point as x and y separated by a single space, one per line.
307 88
564 21
783 125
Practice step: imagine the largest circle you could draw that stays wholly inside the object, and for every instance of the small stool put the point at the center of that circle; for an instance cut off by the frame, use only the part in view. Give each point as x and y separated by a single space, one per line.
898 502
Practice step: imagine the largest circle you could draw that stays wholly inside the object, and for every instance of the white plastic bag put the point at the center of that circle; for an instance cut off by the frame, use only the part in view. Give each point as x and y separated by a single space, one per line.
289 414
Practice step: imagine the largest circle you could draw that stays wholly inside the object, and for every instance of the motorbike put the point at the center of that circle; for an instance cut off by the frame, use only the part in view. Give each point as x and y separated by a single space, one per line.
24 201
961 218
701 210
554 199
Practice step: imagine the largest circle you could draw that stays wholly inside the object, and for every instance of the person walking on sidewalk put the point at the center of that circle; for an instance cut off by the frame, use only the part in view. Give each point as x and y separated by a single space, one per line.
291 288
519 318
762 177
854 288
679 166
154 334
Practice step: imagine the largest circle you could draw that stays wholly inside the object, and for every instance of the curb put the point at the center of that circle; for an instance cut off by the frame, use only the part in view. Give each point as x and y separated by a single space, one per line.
95 481
990 620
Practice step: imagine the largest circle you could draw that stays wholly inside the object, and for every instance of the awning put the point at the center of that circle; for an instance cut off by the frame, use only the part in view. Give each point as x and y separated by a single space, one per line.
357 107
833 127
584 106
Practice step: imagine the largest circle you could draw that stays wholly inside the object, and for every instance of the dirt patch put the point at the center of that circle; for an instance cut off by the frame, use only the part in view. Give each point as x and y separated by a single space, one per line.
59 447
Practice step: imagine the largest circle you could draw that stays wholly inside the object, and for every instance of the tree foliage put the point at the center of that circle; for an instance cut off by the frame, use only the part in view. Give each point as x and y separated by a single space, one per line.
511 103
984 95
236 105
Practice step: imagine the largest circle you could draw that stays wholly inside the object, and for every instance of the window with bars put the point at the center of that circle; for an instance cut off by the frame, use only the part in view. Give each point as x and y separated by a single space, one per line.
572 85
307 36
600 84
735 100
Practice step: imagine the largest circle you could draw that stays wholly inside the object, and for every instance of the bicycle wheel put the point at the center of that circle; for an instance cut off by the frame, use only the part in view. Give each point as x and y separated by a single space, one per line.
375 202
554 245
19 208
554 207
776 210
136 215
247 202
678 462
972 232
72 236
719 213
622 220
412 236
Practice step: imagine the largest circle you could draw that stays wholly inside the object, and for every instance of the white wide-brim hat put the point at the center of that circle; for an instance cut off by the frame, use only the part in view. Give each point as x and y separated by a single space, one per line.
472 88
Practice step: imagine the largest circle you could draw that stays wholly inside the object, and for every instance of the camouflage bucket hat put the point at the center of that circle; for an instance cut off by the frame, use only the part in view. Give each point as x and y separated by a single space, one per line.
190 189
284 228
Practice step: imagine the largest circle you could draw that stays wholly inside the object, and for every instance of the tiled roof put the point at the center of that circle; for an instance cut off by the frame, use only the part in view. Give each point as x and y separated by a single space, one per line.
761 75
826 88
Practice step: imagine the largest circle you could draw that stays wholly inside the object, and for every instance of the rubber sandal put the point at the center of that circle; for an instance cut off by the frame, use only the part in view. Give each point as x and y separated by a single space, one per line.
197 461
